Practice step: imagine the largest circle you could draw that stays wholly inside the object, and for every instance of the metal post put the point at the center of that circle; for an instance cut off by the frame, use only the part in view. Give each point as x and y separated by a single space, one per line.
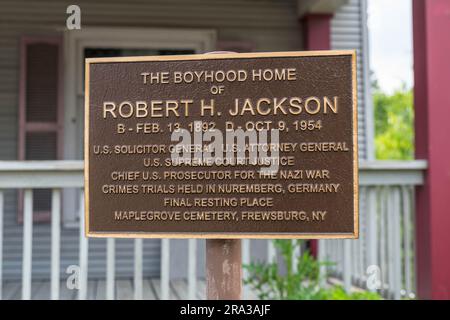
223 269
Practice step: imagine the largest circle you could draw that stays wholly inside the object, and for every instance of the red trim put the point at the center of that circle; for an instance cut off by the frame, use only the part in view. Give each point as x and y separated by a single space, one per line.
24 126
423 258
317 31
316 36
431 26
22 91
41 127
60 128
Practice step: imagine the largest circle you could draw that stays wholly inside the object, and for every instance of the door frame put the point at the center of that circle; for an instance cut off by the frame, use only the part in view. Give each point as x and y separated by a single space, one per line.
75 41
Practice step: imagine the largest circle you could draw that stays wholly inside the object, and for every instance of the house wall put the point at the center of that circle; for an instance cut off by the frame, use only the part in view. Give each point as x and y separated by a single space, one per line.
267 25
347 32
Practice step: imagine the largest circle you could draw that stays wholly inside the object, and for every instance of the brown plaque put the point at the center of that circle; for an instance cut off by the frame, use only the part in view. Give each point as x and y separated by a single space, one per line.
153 127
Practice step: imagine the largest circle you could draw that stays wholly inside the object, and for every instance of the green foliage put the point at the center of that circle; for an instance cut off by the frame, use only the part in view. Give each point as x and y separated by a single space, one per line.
267 280
339 293
394 129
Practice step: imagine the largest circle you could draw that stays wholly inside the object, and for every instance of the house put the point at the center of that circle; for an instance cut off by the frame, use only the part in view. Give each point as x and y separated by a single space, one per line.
41 119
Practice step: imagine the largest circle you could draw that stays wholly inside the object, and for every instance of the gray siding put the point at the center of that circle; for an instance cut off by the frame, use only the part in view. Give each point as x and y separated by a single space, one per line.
347 33
270 25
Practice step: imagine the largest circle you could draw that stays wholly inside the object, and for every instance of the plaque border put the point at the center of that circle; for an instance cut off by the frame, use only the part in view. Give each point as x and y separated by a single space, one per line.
226 235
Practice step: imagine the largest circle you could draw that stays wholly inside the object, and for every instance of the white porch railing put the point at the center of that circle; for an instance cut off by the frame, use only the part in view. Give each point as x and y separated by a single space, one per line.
57 175
386 242
386 191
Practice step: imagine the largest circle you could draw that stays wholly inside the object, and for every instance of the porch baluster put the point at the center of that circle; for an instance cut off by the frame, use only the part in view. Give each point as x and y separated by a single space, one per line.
271 252
27 244
192 270
383 200
83 254
407 223
1 243
347 266
110 268
397 250
245 261
138 274
56 240
371 227
165 269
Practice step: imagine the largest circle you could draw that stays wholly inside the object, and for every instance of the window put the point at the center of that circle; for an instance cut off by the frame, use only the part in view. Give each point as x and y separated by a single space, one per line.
40 111
112 42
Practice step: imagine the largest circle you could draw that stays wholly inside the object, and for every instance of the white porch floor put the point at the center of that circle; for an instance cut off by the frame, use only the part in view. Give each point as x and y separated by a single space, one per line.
97 290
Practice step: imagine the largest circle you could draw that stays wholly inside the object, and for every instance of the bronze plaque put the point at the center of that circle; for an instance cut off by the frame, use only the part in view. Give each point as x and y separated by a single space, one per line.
254 145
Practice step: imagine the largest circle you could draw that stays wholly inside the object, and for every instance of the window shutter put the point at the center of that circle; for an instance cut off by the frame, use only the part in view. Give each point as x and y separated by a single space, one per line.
40 110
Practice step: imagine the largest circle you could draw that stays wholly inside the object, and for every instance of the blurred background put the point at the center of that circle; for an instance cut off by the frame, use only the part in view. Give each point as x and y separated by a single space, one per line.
403 107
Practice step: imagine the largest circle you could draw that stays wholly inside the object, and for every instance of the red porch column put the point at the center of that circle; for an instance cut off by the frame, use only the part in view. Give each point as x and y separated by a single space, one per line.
316 36
317 31
431 27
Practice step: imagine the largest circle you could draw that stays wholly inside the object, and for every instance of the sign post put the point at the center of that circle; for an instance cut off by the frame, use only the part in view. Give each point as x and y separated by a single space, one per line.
223 269
224 147
223 263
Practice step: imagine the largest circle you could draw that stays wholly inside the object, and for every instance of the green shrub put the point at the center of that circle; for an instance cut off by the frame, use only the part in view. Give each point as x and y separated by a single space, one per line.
267 280
394 124
339 293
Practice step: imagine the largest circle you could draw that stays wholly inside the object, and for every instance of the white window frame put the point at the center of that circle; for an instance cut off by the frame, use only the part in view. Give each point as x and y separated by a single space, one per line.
75 42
